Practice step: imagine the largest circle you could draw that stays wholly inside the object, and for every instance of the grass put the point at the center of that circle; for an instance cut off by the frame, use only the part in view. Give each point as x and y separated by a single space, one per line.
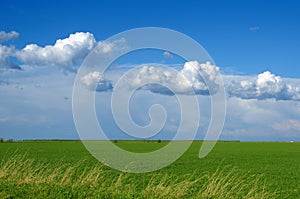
69 181
66 170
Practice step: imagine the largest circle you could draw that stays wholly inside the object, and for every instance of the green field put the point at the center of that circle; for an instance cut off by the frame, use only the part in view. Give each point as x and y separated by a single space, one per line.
64 169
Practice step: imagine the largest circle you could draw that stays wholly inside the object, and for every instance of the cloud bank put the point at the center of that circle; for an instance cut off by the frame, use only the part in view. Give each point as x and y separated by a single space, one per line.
199 79
70 52
265 86
190 80
288 125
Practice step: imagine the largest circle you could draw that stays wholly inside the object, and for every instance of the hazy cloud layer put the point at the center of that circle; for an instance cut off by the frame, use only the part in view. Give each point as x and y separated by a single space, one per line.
265 86
287 125
262 119
246 119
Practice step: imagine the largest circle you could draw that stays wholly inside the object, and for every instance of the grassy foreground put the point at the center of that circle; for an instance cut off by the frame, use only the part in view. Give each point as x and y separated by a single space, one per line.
64 169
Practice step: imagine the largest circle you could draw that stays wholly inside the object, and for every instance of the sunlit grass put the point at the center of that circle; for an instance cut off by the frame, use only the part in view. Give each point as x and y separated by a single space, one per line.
20 175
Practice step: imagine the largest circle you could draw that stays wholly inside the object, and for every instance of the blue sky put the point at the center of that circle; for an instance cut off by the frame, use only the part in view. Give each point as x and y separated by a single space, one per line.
244 38
222 27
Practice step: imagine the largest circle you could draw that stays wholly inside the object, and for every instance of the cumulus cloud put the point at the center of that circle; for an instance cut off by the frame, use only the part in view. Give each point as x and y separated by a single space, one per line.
5 36
265 86
96 80
202 76
66 52
168 55
189 80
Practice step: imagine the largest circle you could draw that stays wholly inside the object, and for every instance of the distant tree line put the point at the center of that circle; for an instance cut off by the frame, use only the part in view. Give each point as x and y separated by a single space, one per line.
2 140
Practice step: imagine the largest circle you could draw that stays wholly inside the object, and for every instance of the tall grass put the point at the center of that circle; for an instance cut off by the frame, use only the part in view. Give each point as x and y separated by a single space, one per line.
20 175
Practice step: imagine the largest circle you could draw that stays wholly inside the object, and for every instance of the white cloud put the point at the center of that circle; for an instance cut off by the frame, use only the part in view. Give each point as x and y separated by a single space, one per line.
167 81
202 76
96 80
266 85
270 111
6 54
5 36
66 52
168 55
287 125
262 119
104 47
